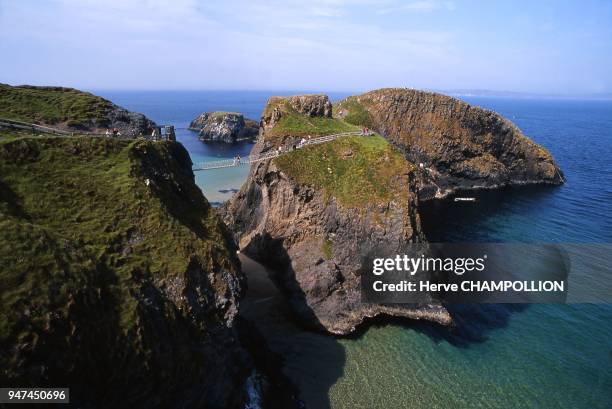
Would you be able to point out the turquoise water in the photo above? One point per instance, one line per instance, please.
(506, 356)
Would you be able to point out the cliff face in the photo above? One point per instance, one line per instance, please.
(117, 277)
(224, 127)
(315, 214)
(460, 146)
(70, 109)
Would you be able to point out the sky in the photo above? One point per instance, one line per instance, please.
(547, 46)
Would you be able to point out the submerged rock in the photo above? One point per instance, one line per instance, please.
(459, 146)
(226, 127)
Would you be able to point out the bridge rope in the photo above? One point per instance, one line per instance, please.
(230, 163)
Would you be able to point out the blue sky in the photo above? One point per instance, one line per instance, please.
(561, 47)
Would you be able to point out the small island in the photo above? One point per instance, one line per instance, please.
(228, 127)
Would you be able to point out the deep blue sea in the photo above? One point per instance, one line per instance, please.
(498, 356)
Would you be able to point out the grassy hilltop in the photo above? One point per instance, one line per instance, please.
(69, 109)
(117, 277)
(356, 170)
(52, 105)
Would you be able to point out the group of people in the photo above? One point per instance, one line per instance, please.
(237, 160)
(366, 131)
(112, 132)
(304, 141)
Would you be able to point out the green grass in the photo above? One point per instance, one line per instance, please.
(357, 114)
(294, 124)
(327, 249)
(78, 220)
(356, 170)
(221, 114)
(53, 105)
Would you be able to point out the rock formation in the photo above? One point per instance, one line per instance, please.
(459, 145)
(317, 236)
(224, 127)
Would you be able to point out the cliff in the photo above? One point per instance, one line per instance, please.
(316, 213)
(69, 109)
(459, 145)
(117, 277)
(226, 127)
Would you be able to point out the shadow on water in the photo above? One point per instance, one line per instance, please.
(450, 221)
(446, 221)
(312, 361)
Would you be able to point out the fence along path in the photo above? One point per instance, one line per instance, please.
(9, 123)
(230, 163)
(163, 131)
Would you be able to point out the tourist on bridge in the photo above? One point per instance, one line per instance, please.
(238, 159)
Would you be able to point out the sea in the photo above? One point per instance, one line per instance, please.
(496, 356)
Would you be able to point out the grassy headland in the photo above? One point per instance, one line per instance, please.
(52, 105)
(91, 229)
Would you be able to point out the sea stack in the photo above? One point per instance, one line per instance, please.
(227, 127)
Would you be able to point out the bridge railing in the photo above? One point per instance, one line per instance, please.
(226, 163)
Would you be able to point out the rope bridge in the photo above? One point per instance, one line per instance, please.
(230, 163)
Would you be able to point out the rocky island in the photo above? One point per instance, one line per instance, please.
(227, 127)
(71, 110)
(316, 213)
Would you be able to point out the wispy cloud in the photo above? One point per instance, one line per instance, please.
(418, 6)
(318, 45)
